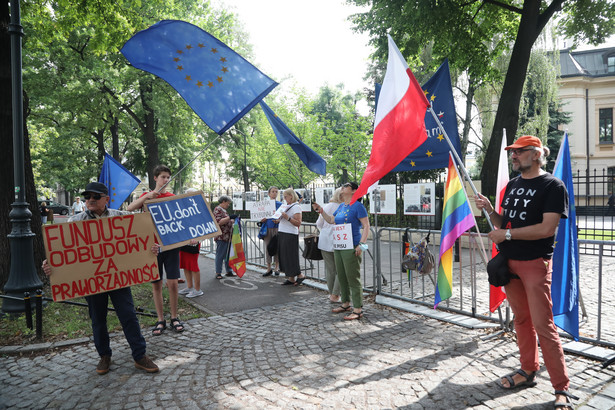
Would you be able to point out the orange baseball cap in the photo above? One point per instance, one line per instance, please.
(525, 141)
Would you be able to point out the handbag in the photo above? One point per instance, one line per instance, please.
(419, 258)
(310, 248)
(497, 269)
(263, 231)
(272, 246)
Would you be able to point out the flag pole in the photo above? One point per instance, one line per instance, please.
(189, 162)
(458, 162)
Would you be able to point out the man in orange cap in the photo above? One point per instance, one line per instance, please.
(532, 206)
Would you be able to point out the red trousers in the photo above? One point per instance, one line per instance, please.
(530, 300)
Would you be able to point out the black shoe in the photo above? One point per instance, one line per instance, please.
(268, 273)
(277, 273)
(287, 282)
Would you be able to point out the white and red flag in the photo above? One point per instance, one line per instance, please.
(399, 127)
(496, 294)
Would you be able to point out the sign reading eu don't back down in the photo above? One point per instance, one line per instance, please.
(181, 218)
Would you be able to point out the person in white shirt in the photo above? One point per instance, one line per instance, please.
(78, 206)
(288, 238)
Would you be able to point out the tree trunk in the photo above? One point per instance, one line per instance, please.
(507, 117)
(115, 143)
(151, 142)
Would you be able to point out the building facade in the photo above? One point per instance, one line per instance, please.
(587, 90)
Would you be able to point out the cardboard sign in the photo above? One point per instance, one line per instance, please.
(181, 218)
(99, 255)
(262, 209)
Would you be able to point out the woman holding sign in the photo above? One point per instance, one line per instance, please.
(288, 237)
(348, 245)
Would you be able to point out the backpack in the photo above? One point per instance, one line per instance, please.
(418, 256)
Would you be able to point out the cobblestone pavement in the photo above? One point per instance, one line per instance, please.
(298, 355)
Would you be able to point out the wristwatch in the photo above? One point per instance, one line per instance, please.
(363, 246)
(508, 235)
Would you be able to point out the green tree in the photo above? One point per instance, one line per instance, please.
(474, 35)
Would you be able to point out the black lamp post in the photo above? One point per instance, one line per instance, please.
(22, 276)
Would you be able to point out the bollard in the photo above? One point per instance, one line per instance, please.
(39, 314)
(28, 309)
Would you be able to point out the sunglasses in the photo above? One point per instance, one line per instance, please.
(519, 151)
(96, 197)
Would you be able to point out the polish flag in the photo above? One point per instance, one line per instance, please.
(496, 294)
(399, 126)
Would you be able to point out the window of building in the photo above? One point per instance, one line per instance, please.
(606, 125)
(611, 64)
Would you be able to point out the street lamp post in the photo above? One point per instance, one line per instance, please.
(22, 275)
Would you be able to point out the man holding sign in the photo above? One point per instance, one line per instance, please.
(169, 259)
(96, 198)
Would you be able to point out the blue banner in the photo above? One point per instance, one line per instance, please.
(216, 82)
(119, 181)
(178, 219)
(565, 277)
(433, 153)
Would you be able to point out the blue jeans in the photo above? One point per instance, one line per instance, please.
(222, 248)
(125, 310)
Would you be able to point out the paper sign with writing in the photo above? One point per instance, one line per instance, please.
(262, 209)
(181, 218)
(99, 255)
(342, 236)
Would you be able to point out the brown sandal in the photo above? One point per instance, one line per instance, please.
(341, 309)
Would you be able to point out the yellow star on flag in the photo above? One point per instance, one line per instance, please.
(440, 137)
(429, 153)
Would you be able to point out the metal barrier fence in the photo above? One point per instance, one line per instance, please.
(382, 274)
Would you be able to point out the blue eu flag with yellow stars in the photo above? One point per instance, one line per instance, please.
(216, 82)
(433, 153)
(119, 181)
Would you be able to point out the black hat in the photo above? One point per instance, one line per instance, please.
(97, 188)
(352, 185)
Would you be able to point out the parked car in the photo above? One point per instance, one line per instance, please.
(56, 207)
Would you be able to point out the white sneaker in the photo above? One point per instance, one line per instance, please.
(194, 293)
(185, 291)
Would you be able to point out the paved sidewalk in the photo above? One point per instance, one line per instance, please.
(297, 354)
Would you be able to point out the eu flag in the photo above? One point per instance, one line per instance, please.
(565, 276)
(120, 182)
(311, 159)
(433, 153)
(216, 82)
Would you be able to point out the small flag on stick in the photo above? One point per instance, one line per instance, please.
(119, 181)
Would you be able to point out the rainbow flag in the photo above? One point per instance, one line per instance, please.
(237, 258)
(456, 219)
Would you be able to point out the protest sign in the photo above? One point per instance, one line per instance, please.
(179, 219)
(99, 255)
(261, 209)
